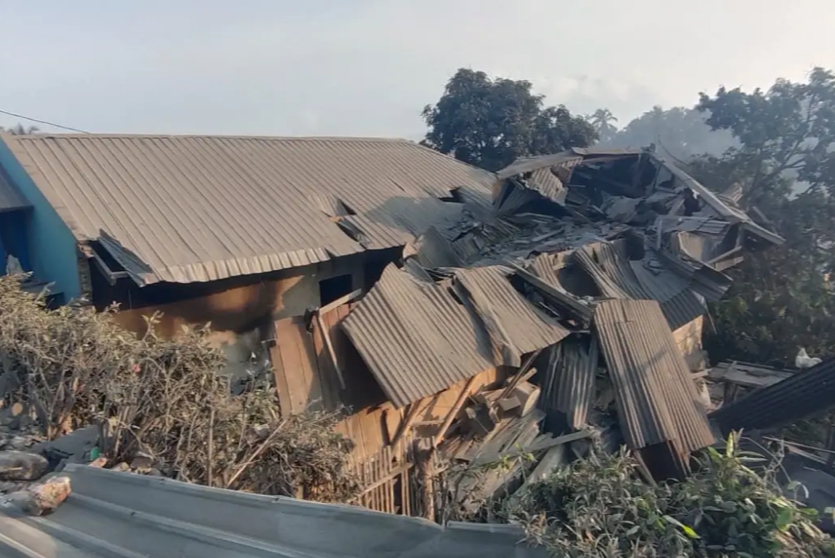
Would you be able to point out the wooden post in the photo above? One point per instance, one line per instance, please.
(407, 421)
(424, 456)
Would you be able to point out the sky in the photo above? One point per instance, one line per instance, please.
(368, 67)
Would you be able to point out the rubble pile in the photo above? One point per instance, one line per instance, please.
(586, 281)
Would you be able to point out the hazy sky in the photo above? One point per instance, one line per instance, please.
(367, 67)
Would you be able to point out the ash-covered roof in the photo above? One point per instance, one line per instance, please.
(200, 208)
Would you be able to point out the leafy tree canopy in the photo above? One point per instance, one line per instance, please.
(490, 122)
(785, 166)
(20, 130)
(679, 132)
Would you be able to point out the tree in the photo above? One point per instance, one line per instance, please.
(680, 132)
(602, 121)
(21, 130)
(785, 163)
(490, 122)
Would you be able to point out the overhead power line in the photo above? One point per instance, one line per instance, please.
(54, 125)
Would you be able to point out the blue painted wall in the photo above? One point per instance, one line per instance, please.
(52, 247)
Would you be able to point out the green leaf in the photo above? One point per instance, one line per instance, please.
(689, 531)
(784, 519)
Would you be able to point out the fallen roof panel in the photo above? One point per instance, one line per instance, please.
(657, 400)
(568, 383)
(804, 394)
(415, 337)
(528, 328)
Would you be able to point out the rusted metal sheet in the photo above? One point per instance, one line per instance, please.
(198, 208)
(801, 395)
(10, 197)
(657, 401)
(415, 337)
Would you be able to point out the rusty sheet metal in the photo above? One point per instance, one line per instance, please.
(10, 197)
(569, 381)
(804, 394)
(528, 328)
(415, 337)
(199, 208)
(657, 400)
(716, 204)
(546, 183)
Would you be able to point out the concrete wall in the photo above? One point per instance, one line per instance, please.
(52, 246)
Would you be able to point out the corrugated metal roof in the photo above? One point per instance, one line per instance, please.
(530, 164)
(128, 515)
(415, 337)
(804, 394)
(528, 328)
(197, 208)
(568, 383)
(647, 279)
(10, 197)
(657, 400)
(700, 225)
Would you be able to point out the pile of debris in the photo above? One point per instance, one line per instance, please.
(585, 283)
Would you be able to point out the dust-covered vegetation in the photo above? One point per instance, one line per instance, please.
(601, 507)
(74, 367)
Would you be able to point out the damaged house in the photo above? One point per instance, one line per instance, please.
(558, 301)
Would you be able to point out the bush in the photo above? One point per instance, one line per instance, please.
(74, 367)
(599, 507)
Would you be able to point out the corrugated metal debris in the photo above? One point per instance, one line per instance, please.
(124, 514)
(572, 284)
(801, 395)
(415, 337)
(657, 401)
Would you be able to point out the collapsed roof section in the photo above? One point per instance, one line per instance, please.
(613, 250)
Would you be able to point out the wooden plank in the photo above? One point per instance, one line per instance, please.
(407, 421)
(327, 337)
(286, 334)
(385, 477)
(341, 301)
(281, 386)
(523, 375)
(453, 412)
(331, 396)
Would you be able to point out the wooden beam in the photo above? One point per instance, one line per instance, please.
(326, 337)
(523, 375)
(340, 301)
(406, 423)
(453, 412)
